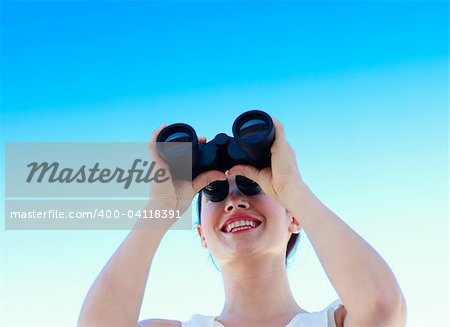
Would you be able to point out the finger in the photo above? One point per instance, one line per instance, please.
(202, 139)
(246, 171)
(207, 178)
(279, 135)
(279, 128)
(156, 132)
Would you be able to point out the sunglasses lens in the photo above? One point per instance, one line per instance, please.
(216, 191)
(247, 186)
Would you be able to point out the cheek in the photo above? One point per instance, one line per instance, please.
(270, 206)
(274, 213)
(209, 218)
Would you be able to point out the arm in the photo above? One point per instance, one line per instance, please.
(364, 282)
(115, 298)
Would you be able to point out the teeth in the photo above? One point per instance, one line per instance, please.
(240, 225)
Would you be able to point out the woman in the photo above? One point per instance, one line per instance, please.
(249, 237)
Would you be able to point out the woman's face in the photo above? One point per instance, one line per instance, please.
(243, 226)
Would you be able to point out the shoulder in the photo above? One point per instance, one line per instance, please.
(159, 323)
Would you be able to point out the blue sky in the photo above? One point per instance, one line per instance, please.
(361, 87)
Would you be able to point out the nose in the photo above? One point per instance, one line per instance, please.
(236, 200)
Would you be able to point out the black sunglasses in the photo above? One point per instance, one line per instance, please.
(218, 190)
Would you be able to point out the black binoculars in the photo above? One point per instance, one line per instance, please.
(253, 136)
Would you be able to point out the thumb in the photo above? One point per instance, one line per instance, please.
(246, 171)
(206, 178)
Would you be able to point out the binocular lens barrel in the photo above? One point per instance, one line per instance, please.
(254, 131)
(253, 127)
(170, 138)
(177, 133)
(179, 137)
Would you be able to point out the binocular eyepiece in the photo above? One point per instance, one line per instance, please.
(253, 136)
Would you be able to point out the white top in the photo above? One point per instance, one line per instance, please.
(323, 318)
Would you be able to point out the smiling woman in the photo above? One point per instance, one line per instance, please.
(250, 234)
(243, 222)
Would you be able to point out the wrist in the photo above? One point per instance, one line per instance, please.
(293, 194)
(300, 200)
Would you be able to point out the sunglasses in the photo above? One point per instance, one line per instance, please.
(218, 190)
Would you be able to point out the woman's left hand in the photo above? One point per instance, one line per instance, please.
(282, 180)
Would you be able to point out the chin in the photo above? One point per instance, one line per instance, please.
(244, 251)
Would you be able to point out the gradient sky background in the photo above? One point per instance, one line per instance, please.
(361, 87)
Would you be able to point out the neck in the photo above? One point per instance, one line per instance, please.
(257, 288)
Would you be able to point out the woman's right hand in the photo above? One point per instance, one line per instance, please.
(177, 194)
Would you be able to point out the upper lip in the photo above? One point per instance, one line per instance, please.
(238, 217)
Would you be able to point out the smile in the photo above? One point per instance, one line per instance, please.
(237, 225)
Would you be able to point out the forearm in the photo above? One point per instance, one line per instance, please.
(362, 279)
(115, 297)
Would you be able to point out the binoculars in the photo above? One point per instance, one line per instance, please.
(253, 136)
